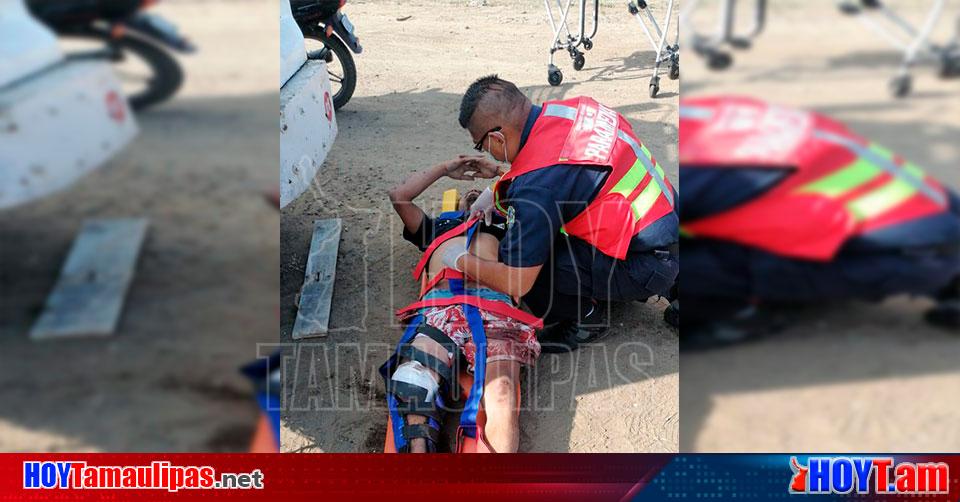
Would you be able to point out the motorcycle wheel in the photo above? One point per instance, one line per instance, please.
(342, 71)
(165, 75)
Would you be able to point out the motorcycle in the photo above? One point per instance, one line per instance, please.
(321, 21)
(136, 42)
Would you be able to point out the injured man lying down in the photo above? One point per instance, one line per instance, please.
(464, 343)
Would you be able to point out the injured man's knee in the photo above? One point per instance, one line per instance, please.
(412, 381)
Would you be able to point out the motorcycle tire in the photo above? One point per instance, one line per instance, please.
(348, 83)
(167, 76)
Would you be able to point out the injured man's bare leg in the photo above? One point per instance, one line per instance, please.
(500, 402)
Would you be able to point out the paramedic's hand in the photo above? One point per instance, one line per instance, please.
(471, 167)
(483, 206)
(452, 255)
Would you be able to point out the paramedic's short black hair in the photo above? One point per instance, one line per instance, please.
(508, 97)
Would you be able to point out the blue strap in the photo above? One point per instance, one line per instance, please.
(451, 215)
(386, 371)
(468, 418)
(472, 232)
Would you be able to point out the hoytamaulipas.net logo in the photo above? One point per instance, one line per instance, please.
(159, 475)
(877, 475)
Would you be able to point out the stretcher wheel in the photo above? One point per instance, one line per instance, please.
(900, 86)
(674, 70)
(554, 75)
(654, 86)
(578, 62)
(849, 8)
(950, 66)
(587, 44)
(719, 60)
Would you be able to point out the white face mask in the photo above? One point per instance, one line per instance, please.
(504, 142)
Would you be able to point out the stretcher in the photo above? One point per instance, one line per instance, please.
(664, 52)
(265, 375)
(913, 42)
(571, 41)
(565, 40)
(716, 47)
(469, 388)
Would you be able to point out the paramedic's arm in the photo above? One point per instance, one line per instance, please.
(514, 281)
(461, 168)
(525, 247)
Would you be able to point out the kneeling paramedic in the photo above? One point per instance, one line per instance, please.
(786, 206)
(455, 320)
(590, 214)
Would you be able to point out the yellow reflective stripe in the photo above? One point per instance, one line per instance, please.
(644, 156)
(646, 152)
(646, 200)
(909, 167)
(629, 183)
(882, 199)
(643, 148)
(882, 158)
(631, 180)
(914, 170)
(842, 181)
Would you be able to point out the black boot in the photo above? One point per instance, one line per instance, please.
(946, 313)
(748, 324)
(671, 315)
(568, 335)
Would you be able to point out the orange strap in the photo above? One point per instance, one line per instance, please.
(493, 306)
(447, 273)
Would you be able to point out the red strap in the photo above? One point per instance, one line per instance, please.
(493, 306)
(444, 237)
(447, 273)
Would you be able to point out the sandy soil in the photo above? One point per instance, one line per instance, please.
(205, 292)
(847, 377)
(618, 396)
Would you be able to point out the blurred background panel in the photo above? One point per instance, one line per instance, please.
(204, 290)
(838, 374)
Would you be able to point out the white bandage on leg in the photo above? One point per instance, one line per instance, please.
(414, 373)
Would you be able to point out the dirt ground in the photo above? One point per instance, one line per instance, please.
(205, 291)
(846, 377)
(618, 396)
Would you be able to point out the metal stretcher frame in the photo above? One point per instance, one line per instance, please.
(664, 52)
(564, 39)
(913, 42)
(715, 48)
